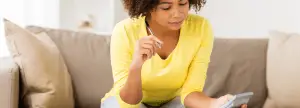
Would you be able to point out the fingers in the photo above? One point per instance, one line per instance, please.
(244, 106)
(146, 52)
(156, 39)
(224, 99)
(150, 47)
(150, 43)
(229, 96)
(157, 42)
(147, 46)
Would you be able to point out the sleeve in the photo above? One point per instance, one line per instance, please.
(121, 57)
(198, 68)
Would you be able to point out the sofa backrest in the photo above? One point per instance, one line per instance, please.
(237, 65)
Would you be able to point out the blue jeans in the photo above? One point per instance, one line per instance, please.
(112, 102)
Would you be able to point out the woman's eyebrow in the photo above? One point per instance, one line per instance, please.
(165, 3)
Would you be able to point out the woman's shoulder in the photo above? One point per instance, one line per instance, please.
(196, 24)
(197, 27)
(195, 17)
(196, 20)
(128, 29)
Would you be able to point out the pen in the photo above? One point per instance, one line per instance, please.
(157, 43)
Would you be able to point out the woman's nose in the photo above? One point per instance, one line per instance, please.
(176, 12)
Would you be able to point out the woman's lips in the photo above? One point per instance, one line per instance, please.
(175, 23)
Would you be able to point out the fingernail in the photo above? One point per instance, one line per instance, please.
(158, 45)
(160, 42)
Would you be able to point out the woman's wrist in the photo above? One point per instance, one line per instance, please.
(136, 64)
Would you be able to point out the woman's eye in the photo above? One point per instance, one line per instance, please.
(183, 3)
(165, 8)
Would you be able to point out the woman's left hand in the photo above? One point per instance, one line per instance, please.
(217, 103)
(244, 106)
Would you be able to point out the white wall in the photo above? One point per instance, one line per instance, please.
(31, 12)
(28, 12)
(252, 18)
(42, 13)
(248, 18)
(14, 12)
(119, 11)
(75, 11)
(3, 49)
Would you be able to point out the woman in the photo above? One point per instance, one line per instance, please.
(160, 57)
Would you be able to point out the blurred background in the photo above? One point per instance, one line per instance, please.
(230, 18)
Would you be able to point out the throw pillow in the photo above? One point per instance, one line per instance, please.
(45, 78)
(283, 70)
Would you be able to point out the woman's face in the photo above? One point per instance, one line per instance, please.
(170, 13)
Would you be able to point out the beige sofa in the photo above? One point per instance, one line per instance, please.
(238, 65)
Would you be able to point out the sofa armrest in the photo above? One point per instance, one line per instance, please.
(9, 83)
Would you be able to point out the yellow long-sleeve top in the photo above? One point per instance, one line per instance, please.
(183, 72)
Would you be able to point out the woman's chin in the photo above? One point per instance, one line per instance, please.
(174, 28)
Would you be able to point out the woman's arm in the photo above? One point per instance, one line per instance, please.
(192, 95)
(127, 78)
(131, 93)
(127, 63)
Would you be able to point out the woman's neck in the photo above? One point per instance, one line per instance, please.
(159, 30)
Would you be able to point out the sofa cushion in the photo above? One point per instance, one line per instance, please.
(237, 66)
(283, 70)
(46, 81)
(88, 60)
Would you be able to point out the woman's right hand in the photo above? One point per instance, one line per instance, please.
(145, 48)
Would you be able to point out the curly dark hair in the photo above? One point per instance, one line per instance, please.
(137, 8)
